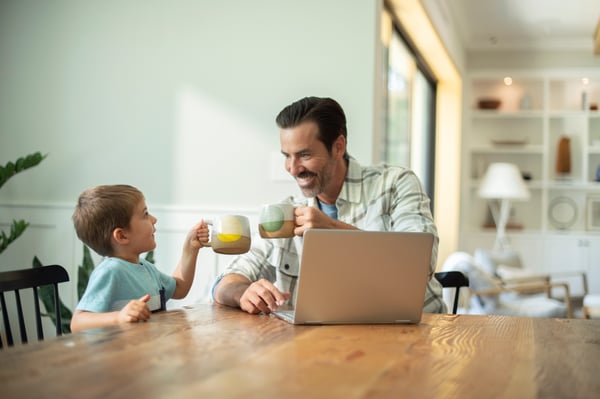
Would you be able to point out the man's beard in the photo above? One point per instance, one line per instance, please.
(321, 180)
(313, 190)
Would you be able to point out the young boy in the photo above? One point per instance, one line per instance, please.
(114, 221)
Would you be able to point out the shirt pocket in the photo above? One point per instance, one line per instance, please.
(285, 260)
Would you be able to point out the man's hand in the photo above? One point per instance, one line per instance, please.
(262, 296)
(308, 217)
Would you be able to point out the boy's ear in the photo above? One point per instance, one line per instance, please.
(120, 236)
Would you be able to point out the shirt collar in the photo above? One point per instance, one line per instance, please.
(351, 189)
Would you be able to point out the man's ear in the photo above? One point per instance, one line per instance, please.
(120, 236)
(339, 147)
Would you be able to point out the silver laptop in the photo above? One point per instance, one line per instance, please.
(361, 277)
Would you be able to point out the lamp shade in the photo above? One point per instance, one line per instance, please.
(503, 181)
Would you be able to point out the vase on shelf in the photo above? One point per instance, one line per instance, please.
(525, 103)
(563, 158)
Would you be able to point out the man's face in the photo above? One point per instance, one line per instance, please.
(307, 159)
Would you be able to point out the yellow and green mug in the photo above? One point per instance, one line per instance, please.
(230, 234)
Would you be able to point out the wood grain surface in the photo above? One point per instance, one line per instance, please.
(212, 351)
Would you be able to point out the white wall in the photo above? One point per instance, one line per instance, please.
(177, 98)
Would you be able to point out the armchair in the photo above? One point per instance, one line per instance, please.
(567, 286)
(489, 294)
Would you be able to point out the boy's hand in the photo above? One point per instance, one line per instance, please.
(134, 311)
(198, 235)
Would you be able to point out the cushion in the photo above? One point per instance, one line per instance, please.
(489, 260)
(513, 304)
(479, 279)
(592, 302)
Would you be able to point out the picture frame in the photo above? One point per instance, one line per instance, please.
(593, 213)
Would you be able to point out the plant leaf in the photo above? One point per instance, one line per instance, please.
(150, 257)
(84, 271)
(16, 229)
(23, 163)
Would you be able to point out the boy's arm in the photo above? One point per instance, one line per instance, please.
(134, 311)
(186, 268)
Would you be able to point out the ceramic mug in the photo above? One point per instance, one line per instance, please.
(277, 221)
(230, 234)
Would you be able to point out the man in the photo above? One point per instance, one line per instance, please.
(340, 194)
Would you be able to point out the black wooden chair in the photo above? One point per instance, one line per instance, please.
(17, 280)
(453, 279)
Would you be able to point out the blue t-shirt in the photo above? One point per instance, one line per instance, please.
(329, 210)
(115, 282)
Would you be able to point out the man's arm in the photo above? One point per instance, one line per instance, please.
(230, 289)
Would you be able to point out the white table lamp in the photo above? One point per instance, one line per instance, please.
(502, 183)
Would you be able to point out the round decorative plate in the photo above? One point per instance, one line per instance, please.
(562, 212)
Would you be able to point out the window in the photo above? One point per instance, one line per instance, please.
(408, 137)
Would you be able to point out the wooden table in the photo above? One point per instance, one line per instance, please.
(217, 352)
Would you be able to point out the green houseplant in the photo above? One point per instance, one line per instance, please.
(7, 171)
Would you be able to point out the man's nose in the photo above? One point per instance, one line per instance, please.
(294, 167)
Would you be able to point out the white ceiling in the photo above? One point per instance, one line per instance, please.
(524, 24)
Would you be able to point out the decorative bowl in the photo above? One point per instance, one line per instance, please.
(489, 103)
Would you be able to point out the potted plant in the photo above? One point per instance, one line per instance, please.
(17, 227)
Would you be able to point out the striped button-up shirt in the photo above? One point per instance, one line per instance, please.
(376, 198)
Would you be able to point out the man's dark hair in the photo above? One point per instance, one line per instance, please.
(325, 112)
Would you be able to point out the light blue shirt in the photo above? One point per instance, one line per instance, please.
(115, 282)
(329, 210)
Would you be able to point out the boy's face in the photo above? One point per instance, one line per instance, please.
(141, 229)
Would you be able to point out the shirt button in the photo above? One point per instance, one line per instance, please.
(286, 266)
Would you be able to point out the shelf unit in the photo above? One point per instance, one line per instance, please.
(537, 109)
(535, 113)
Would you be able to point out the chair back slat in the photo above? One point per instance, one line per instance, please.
(6, 320)
(22, 329)
(33, 278)
(38, 314)
(453, 279)
(57, 310)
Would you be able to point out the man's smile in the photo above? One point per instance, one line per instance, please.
(305, 178)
